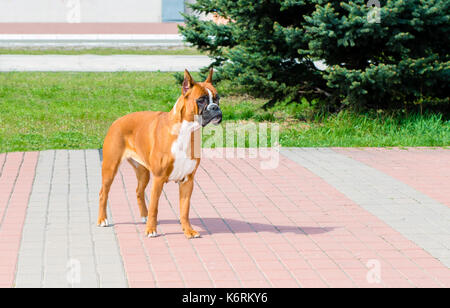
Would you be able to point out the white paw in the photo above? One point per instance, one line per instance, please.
(153, 234)
(197, 236)
(144, 220)
(104, 223)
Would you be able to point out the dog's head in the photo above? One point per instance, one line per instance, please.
(201, 99)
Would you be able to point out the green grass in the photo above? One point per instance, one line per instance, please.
(347, 129)
(41, 111)
(100, 51)
(73, 110)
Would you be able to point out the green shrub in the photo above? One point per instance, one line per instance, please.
(269, 47)
(403, 58)
(253, 50)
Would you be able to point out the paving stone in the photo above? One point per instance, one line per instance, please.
(59, 223)
(400, 209)
(319, 218)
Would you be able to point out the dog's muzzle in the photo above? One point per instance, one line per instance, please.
(212, 114)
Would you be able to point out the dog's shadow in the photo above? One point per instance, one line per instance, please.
(216, 225)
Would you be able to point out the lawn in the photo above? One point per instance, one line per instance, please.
(41, 111)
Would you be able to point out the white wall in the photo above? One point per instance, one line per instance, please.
(80, 11)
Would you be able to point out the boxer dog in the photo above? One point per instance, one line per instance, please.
(163, 144)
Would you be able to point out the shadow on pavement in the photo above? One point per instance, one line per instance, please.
(216, 225)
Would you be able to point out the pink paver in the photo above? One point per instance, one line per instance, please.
(359, 235)
(2, 161)
(15, 186)
(427, 170)
(284, 227)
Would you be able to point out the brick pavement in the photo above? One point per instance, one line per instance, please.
(426, 170)
(322, 218)
(415, 215)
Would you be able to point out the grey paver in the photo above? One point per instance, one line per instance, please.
(59, 238)
(405, 209)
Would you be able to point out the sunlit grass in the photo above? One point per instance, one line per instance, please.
(41, 111)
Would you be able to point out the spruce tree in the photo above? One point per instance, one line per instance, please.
(380, 58)
(262, 47)
(403, 57)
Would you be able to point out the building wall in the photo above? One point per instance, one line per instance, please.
(84, 11)
(189, 11)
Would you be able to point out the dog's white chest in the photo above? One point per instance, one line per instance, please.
(181, 150)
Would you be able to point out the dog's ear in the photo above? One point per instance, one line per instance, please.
(188, 82)
(210, 76)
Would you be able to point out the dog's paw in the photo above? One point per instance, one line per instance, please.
(151, 232)
(144, 220)
(103, 223)
(191, 234)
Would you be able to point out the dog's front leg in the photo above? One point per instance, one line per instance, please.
(157, 187)
(185, 202)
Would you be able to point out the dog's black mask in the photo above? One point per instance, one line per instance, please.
(209, 110)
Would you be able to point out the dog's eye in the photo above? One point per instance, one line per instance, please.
(203, 100)
(217, 99)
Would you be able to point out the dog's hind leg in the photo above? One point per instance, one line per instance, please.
(112, 156)
(143, 177)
